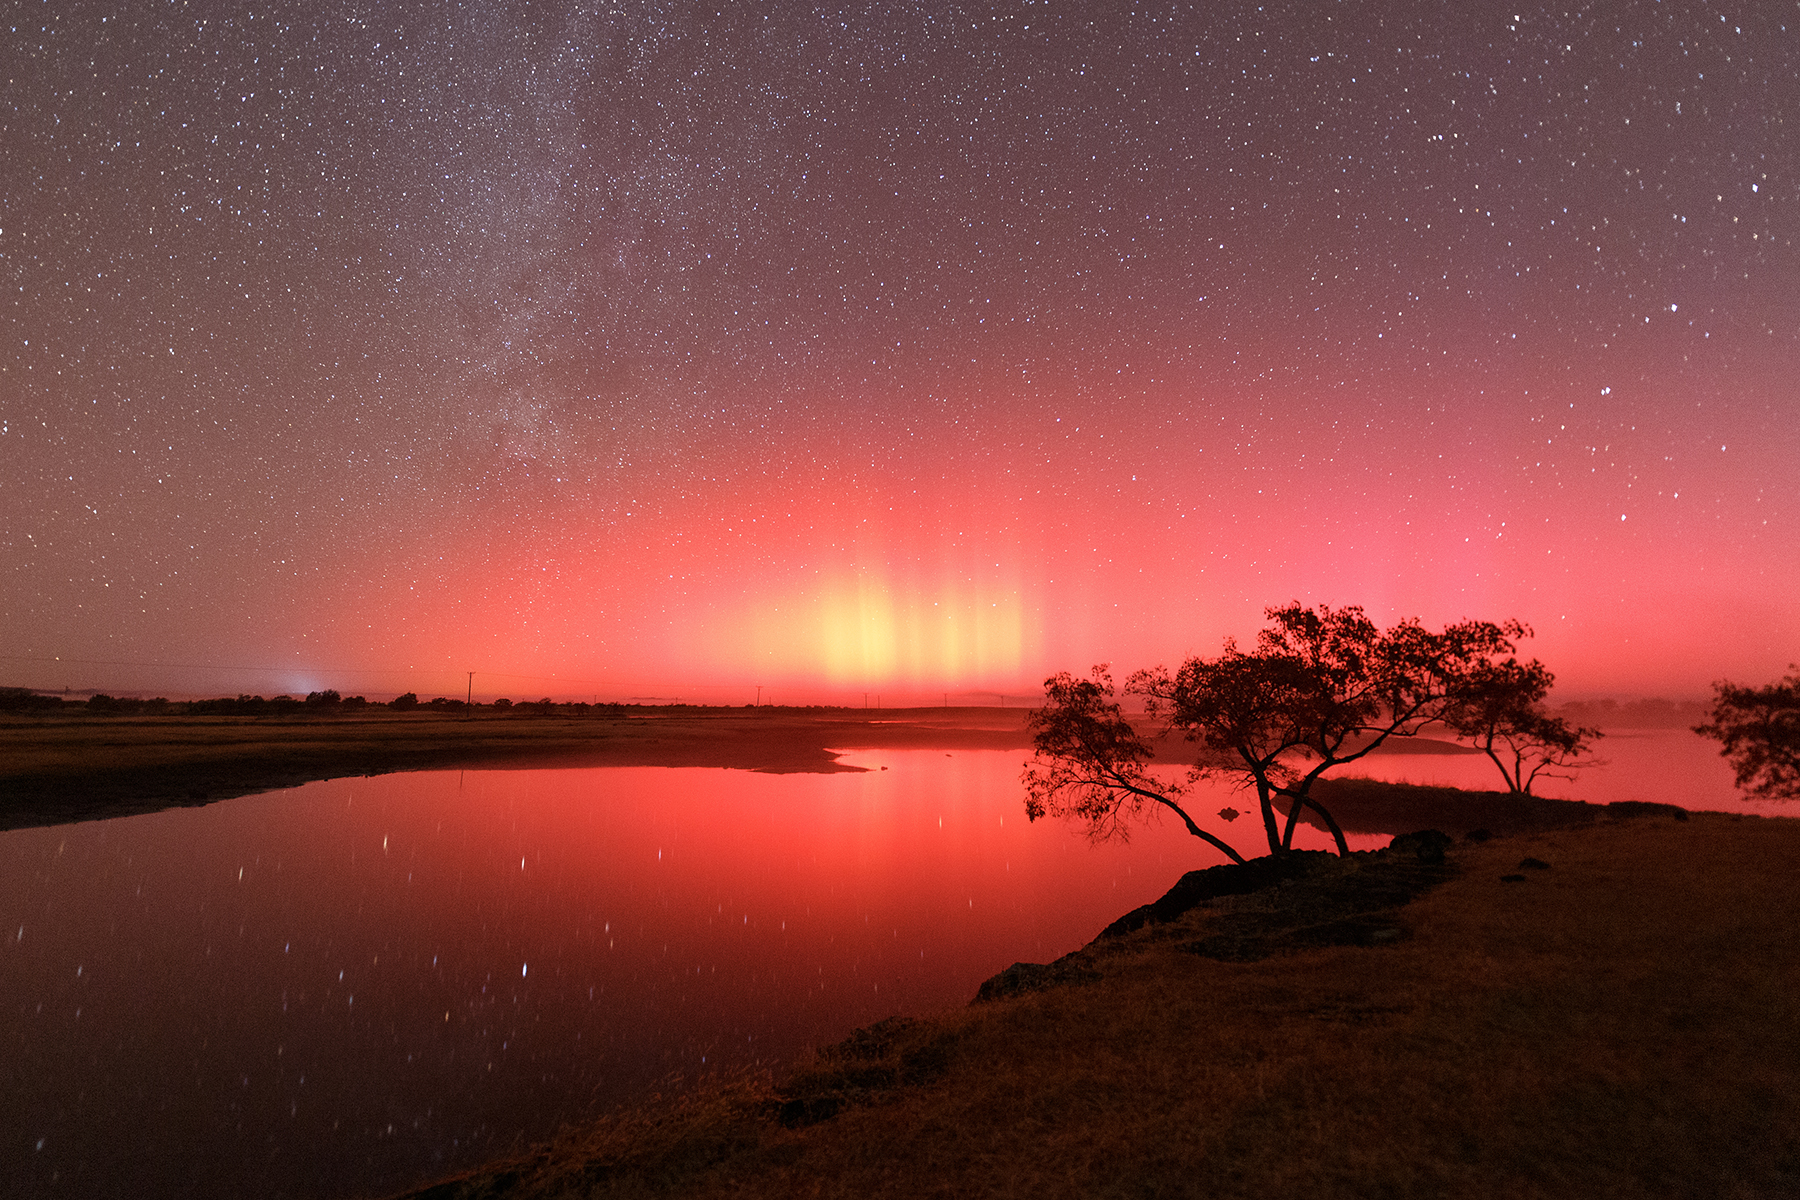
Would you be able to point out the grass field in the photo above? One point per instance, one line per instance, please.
(1620, 1017)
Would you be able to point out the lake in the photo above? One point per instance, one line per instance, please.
(359, 985)
(1665, 766)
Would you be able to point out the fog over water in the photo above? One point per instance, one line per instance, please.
(362, 984)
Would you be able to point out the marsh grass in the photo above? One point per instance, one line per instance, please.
(1623, 1022)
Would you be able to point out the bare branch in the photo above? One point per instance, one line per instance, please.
(1091, 764)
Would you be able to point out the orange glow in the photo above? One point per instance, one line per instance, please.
(858, 629)
(987, 570)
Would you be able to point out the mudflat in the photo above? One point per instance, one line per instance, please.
(56, 769)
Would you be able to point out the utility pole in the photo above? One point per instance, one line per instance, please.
(759, 688)
(469, 701)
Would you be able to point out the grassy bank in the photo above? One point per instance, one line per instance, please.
(1609, 1009)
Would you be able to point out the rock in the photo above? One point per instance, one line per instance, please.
(1230, 879)
(1252, 944)
(1427, 845)
(1626, 809)
(1019, 978)
(1023, 977)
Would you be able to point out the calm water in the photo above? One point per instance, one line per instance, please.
(1668, 766)
(359, 985)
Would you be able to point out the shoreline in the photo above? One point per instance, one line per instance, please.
(56, 770)
(1586, 1004)
(84, 767)
(941, 1102)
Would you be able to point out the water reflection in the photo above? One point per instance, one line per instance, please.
(359, 984)
(362, 984)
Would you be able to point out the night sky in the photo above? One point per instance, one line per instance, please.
(651, 349)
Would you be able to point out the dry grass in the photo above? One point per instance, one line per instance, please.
(1624, 1023)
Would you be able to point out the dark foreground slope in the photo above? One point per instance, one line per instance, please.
(1603, 1010)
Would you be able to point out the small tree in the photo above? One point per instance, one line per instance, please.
(1759, 731)
(1320, 690)
(1500, 708)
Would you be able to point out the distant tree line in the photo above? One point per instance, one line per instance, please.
(24, 700)
(1634, 714)
(321, 703)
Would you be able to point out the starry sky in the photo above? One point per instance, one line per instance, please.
(654, 348)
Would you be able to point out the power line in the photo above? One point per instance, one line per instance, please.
(116, 662)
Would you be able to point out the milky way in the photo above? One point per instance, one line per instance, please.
(655, 347)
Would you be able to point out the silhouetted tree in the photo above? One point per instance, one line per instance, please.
(325, 699)
(405, 702)
(1090, 763)
(1321, 689)
(18, 699)
(226, 706)
(1500, 708)
(1759, 731)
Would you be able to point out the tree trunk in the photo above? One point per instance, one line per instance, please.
(1293, 819)
(1199, 832)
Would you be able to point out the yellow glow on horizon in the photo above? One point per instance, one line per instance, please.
(860, 630)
